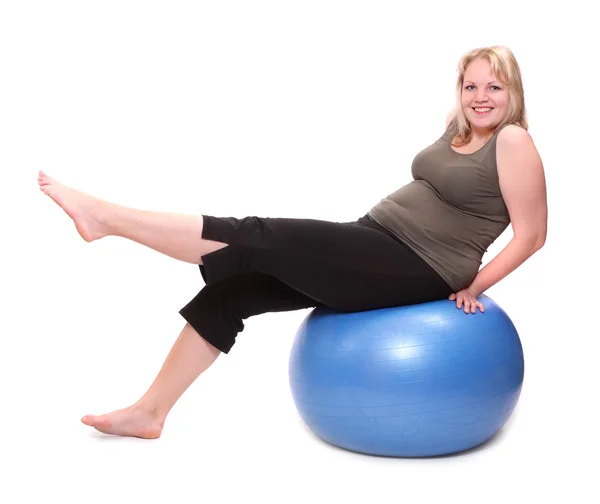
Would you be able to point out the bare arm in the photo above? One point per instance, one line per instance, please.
(523, 186)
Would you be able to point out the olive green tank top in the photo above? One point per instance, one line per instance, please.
(452, 211)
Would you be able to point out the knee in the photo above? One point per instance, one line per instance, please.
(219, 301)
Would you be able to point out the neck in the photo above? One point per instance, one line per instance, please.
(482, 133)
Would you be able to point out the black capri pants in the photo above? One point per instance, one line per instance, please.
(283, 264)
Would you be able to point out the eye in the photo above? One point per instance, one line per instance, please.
(472, 85)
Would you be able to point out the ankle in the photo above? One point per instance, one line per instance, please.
(109, 215)
(152, 408)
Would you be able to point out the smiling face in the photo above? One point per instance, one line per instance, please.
(483, 89)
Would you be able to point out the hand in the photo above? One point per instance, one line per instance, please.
(468, 298)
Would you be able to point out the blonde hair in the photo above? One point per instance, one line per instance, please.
(506, 68)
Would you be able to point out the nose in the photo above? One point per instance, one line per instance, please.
(480, 97)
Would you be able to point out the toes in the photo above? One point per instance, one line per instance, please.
(102, 423)
(88, 420)
(45, 179)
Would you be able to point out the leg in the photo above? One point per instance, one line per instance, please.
(190, 356)
(175, 235)
(346, 266)
(217, 312)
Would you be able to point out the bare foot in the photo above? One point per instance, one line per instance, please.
(134, 421)
(88, 213)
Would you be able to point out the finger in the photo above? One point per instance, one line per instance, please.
(481, 307)
(452, 297)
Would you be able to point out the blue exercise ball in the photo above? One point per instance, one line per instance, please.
(409, 381)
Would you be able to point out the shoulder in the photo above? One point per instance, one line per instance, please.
(513, 136)
(451, 115)
(515, 150)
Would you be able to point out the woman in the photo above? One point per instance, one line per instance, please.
(422, 243)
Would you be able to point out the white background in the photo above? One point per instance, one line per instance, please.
(309, 109)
